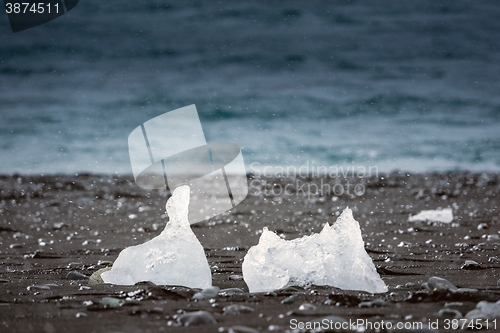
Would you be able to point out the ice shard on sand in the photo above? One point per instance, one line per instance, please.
(439, 215)
(336, 257)
(175, 257)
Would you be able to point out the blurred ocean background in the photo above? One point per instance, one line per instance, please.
(411, 86)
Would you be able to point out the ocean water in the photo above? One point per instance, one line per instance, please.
(395, 85)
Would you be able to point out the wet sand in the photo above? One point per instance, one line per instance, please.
(52, 225)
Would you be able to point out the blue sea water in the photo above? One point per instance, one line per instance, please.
(412, 86)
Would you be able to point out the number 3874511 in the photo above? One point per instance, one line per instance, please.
(31, 8)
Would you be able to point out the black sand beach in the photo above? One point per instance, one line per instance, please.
(53, 225)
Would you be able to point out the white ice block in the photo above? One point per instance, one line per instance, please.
(442, 216)
(175, 257)
(335, 257)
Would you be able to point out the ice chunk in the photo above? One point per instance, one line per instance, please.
(442, 215)
(175, 257)
(335, 257)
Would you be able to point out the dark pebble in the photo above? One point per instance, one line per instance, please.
(235, 309)
(196, 318)
(450, 313)
(42, 255)
(171, 293)
(75, 275)
(231, 291)
(209, 292)
(4, 281)
(372, 304)
(39, 287)
(344, 300)
(466, 291)
(145, 284)
(111, 302)
(440, 284)
(242, 329)
(16, 246)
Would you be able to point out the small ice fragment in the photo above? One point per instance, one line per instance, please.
(336, 257)
(175, 257)
(443, 216)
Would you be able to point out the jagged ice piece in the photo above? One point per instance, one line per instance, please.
(335, 257)
(175, 257)
(443, 216)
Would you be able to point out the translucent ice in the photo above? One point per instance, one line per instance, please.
(336, 257)
(443, 216)
(175, 257)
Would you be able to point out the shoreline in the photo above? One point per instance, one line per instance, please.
(52, 225)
